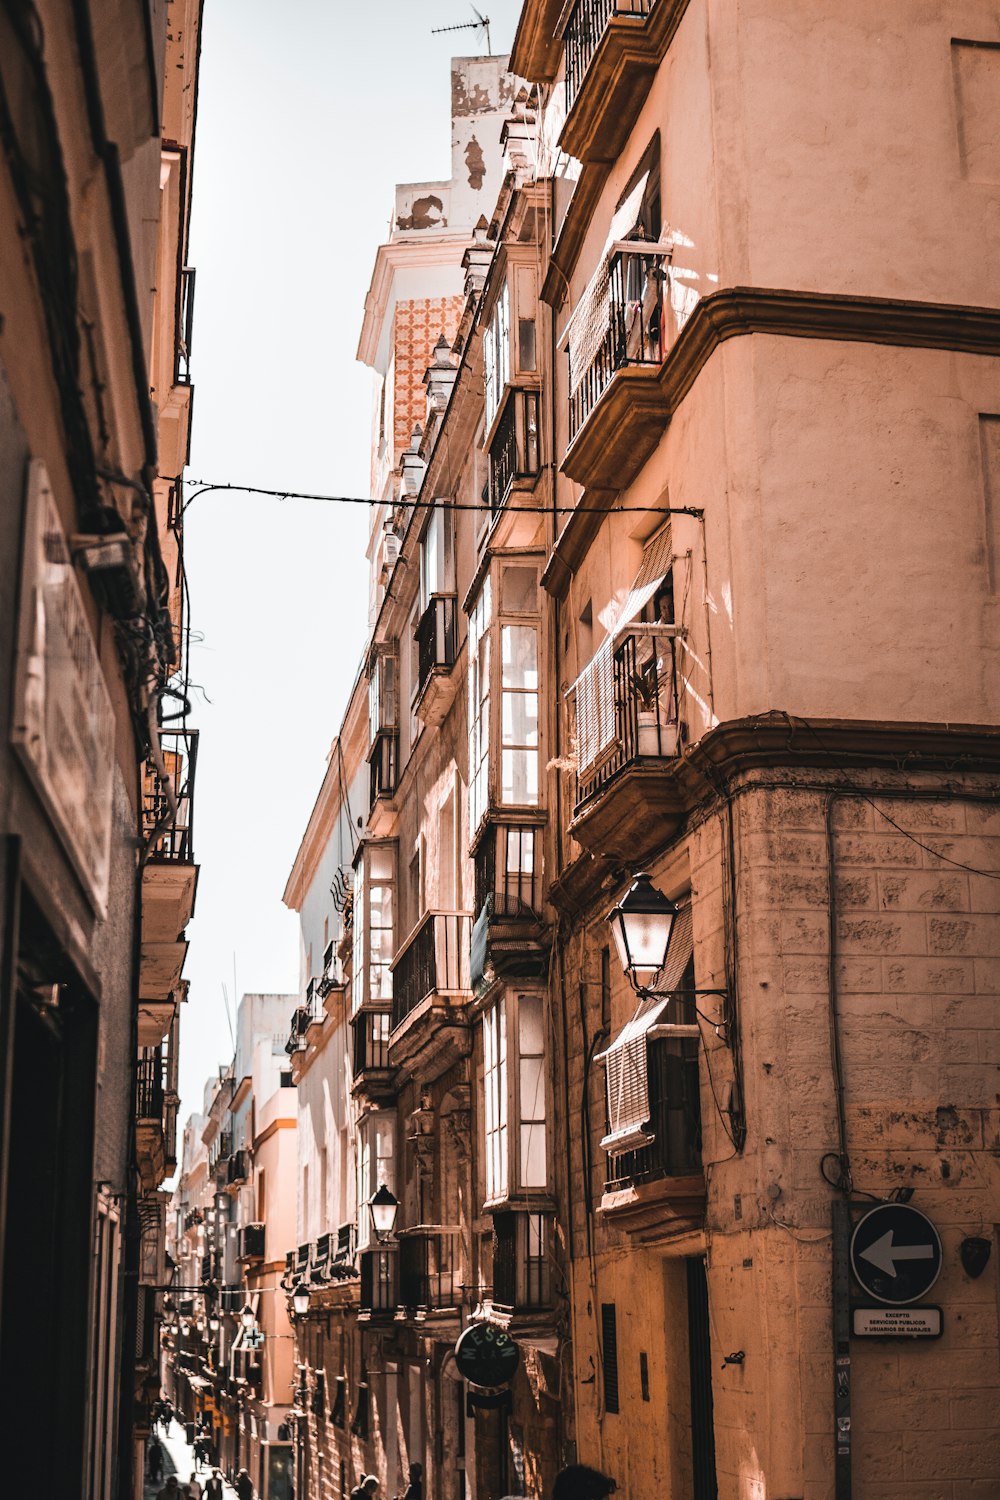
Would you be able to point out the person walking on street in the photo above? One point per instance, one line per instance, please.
(194, 1490)
(244, 1486)
(154, 1459)
(171, 1490)
(213, 1486)
(415, 1489)
(168, 1417)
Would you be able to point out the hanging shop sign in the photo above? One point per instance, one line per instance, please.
(63, 723)
(895, 1253)
(486, 1355)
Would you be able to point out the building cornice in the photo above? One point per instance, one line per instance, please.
(283, 1123)
(631, 416)
(427, 248)
(804, 754)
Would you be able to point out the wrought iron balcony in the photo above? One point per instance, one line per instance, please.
(378, 1283)
(149, 1090)
(433, 961)
(383, 763)
(297, 1031)
(436, 638)
(371, 1041)
(626, 709)
(171, 831)
(659, 1188)
(428, 1277)
(514, 451)
(508, 868)
(520, 1261)
(616, 325)
(586, 27)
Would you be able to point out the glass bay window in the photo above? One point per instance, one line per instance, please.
(514, 1103)
(374, 925)
(516, 751)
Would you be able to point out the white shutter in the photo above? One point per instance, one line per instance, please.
(627, 1059)
(656, 559)
(596, 719)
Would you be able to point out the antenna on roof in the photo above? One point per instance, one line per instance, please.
(481, 23)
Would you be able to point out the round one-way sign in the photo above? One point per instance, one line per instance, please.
(896, 1253)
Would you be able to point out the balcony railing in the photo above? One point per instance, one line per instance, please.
(436, 637)
(674, 1118)
(378, 1282)
(508, 869)
(514, 449)
(584, 31)
(435, 959)
(383, 763)
(371, 1041)
(520, 1260)
(297, 1030)
(149, 1091)
(427, 1269)
(642, 718)
(622, 324)
(172, 832)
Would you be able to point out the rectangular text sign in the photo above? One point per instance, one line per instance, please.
(896, 1322)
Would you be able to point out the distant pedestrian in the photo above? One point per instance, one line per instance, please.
(168, 1417)
(213, 1486)
(154, 1459)
(171, 1490)
(370, 1485)
(244, 1486)
(194, 1488)
(415, 1489)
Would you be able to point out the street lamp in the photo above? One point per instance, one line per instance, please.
(642, 924)
(300, 1299)
(213, 1324)
(247, 1317)
(383, 1206)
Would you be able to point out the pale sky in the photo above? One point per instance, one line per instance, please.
(307, 117)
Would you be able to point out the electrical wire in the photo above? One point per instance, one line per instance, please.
(204, 487)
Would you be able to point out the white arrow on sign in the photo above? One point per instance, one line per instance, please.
(885, 1255)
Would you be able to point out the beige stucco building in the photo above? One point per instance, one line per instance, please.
(687, 569)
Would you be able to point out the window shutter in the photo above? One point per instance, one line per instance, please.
(627, 1059)
(609, 1355)
(596, 720)
(656, 559)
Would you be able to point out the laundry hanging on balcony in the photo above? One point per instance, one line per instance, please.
(597, 729)
(626, 1061)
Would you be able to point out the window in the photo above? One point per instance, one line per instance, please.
(436, 557)
(520, 1260)
(514, 1097)
(376, 1165)
(382, 694)
(373, 936)
(479, 707)
(495, 1100)
(519, 716)
(496, 354)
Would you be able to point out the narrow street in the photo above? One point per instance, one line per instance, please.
(500, 795)
(178, 1458)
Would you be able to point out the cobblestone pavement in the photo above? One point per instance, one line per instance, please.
(178, 1458)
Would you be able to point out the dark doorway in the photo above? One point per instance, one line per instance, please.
(706, 1485)
(44, 1342)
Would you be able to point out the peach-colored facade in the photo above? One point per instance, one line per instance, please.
(690, 569)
